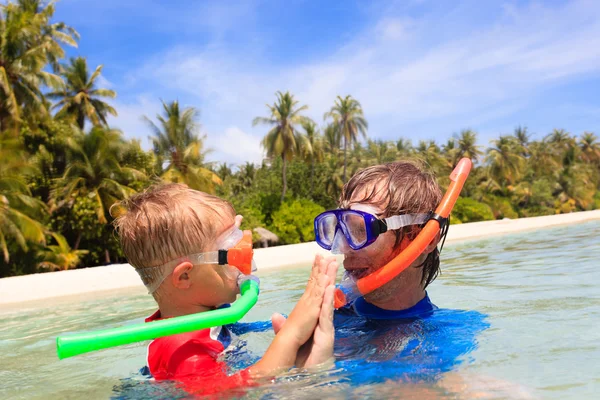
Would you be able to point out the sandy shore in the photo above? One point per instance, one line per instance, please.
(119, 276)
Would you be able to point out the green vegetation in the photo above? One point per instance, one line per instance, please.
(62, 167)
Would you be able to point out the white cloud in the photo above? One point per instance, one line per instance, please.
(104, 83)
(130, 116)
(404, 72)
(235, 146)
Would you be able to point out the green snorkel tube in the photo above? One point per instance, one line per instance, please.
(72, 345)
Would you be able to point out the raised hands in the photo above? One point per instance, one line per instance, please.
(306, 337)
(319, 347)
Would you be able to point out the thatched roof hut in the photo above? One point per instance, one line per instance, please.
(267, 238)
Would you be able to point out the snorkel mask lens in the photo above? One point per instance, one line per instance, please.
(325, 229)
(336, 230)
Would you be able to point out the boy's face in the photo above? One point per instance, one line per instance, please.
(213, 285)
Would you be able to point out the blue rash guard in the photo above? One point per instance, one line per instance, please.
(360, 308)
(373, 345)
(417, 344)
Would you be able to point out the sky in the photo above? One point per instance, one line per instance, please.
(421, 69)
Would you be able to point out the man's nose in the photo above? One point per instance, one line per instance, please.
(339, 246)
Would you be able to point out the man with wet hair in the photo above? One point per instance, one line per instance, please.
(401, 188)
(395, 331)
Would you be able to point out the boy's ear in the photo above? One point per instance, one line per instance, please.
(181, 275)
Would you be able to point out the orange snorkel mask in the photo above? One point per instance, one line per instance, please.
(240, 255)
(348, 290)
(235, 250)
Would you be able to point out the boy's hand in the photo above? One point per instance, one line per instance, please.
(319, 348)
(300, 326)
(304, 317)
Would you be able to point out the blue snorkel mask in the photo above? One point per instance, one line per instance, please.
(343, 229)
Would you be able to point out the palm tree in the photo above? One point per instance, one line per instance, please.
(95, 171)
(347, 115)
(60, 257)
(27, 43)
(590, 148)
(505, 160)
(404, 147)
(451, 151)
(20, 213)
(224, 171)
(380, 152)
(247, 173)
(560, 140)
(177, 143)
(332, 139)
(79, 96)
(333, 181)
(429, 152)
(543, 160)
(314, 152)
(40, 13)
(467, 147)
(523, 138)
(357, 158)
(284, 140)
(574, 182)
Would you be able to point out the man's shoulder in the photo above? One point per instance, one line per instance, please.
(361, 308)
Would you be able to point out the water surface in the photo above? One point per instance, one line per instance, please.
(519, 317)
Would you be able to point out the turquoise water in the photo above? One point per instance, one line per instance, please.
(519, 319)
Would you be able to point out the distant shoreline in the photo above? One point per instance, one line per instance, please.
(37, 287)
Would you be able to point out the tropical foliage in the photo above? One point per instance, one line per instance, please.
(177, 142)
(63, 166)
(79, 98)
(283, 139)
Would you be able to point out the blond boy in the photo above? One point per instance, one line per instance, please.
(159, 232)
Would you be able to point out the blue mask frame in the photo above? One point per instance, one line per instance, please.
(373, 226)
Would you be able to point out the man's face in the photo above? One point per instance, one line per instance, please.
(360, 263)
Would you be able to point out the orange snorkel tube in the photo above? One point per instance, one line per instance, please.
(347, 292)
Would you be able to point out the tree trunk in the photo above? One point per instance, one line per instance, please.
(81, 121)
(106, 256)
(77, 241)
(283, 178)
(312, 176)
(483, 192)
(345, 156)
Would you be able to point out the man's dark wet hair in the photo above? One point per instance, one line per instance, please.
(402, 187)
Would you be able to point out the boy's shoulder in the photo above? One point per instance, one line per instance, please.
(186, 353)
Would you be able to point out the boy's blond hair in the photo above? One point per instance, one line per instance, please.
(169, 221)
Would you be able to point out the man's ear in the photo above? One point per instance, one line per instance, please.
(433, 244)
(405, 242)
(181, 275)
